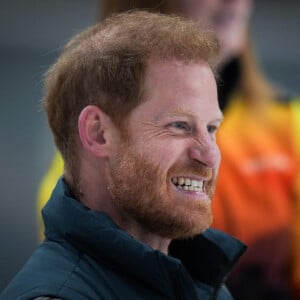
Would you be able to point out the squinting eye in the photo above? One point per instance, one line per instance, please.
(180, 126)
(212, 128)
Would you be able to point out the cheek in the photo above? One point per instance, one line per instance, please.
(166, 153)
(160, 149)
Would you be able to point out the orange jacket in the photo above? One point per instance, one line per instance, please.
(258, 190)
(257, 172)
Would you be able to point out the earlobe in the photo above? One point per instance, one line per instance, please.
(92, 129)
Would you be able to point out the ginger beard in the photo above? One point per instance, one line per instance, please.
(146, 193)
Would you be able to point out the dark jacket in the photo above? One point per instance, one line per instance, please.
(86, 256)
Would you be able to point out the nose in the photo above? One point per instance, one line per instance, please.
(206, 152)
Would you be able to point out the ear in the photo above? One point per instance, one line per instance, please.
(93, 127)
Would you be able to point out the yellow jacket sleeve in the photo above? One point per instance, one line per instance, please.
(47, 185)
(295, 106)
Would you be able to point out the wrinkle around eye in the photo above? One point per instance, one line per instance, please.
(152, 130)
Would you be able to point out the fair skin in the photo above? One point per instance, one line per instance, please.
(227, 18)
(172, 142)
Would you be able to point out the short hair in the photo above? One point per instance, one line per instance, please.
(105, 66)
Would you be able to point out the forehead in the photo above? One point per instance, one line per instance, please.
(176, 87)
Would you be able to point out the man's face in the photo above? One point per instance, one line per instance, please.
(163, 173)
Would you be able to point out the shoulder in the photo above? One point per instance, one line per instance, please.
(58, 271)
(45, 273)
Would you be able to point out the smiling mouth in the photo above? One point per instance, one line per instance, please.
(188, 184)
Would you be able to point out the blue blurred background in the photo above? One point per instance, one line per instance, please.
(32, 32)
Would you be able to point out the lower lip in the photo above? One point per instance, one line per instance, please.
(199, 195)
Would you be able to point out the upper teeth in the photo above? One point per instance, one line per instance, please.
(188, 184)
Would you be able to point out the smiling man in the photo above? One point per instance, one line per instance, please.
(132, 104)
(169, 154)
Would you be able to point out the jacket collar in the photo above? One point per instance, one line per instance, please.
(208, 257)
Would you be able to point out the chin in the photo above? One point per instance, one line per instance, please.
(187, 225)
(198, 228)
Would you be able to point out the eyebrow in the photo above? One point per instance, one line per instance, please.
(186, 113)
(180, 112)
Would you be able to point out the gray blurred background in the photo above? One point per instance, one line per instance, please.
(32, 33)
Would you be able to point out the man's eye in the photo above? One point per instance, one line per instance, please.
(180, 125)
(212, 128)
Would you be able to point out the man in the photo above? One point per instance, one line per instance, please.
(132, 104)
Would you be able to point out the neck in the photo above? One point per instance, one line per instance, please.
(137, 231)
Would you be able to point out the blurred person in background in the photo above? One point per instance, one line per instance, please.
(257, 195)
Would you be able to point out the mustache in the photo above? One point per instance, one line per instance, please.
(193, 169)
